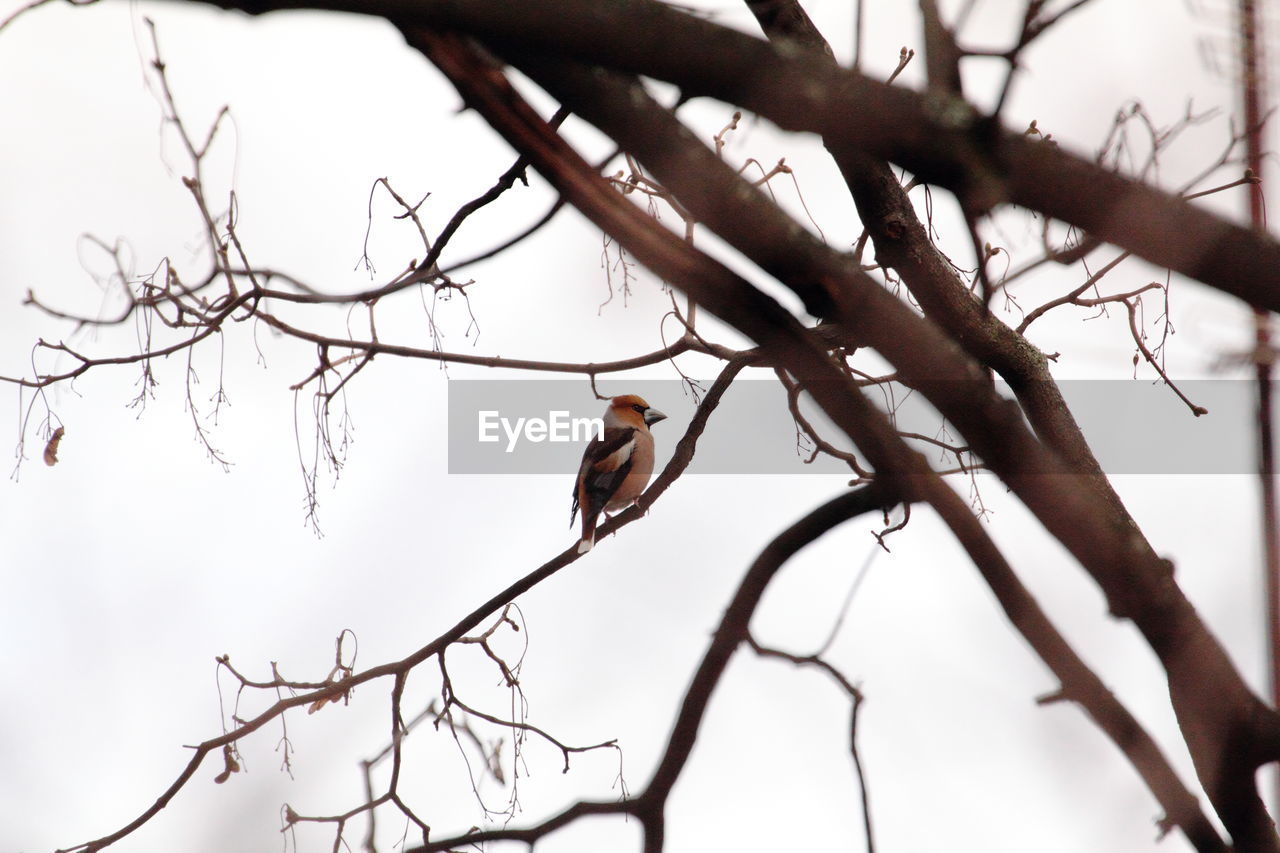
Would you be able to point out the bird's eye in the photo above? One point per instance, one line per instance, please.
(639, 408)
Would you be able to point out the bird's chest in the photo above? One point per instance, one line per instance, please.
(641, 458)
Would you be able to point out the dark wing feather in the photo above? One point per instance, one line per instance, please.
(603, 484)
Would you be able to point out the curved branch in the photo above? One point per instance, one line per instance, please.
(734, 625)
(589, 368)
(649, 806)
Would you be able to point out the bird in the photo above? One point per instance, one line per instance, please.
(616, 465)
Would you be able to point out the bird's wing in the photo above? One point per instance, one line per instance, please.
(605, 464)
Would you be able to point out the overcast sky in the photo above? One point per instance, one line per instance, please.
(138, 559)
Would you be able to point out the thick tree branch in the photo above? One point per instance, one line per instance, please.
(1227, 728)
(801, 90)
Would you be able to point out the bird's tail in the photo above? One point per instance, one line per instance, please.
(588, 532)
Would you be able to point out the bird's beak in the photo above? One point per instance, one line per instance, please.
(652, 416)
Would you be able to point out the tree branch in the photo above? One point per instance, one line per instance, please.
(333, 690)
(804, 91)
(1228, 737)
(649, 806)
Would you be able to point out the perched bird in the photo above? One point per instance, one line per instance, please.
(616, 466)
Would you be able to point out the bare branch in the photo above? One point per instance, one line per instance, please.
(1025, 461)
(316, 694)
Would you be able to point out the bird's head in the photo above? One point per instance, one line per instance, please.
(630, 410)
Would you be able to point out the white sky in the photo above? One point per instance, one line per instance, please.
(136, 560)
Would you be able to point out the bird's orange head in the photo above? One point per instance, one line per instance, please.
(631, 410)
